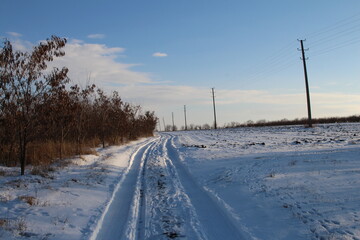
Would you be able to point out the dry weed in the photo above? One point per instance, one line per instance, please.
(3, 222)
(20, 225)
(42, 171)
(32, 201)
(15, 225)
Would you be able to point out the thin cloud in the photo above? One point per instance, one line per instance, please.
(96, 60)
(21, 45)
(14, 34)
(96, 36)
(160, 54)
(251, 104)
(100, 62)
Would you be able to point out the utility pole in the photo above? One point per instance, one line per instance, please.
(172, 114)
(164, 125)
(213, 96)
(306, 82)
(158, 120)
(185, 117)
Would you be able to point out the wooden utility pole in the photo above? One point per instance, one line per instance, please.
(172, 114)
(164, 125)
(158, 120)
(213, 96)
(306, 83)
(185, 117)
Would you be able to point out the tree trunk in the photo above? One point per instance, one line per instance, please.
(23, 145)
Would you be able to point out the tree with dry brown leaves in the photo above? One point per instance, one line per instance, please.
(26, 85)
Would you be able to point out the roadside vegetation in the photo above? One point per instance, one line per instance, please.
(43, 118)
(265, 123)
(286, 122)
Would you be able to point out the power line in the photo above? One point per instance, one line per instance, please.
(335, 47)
(330, 38)
(335, 26)
(280, 54)
(337, 35)
(273, 69)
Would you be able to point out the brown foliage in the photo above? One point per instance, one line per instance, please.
(43, 119)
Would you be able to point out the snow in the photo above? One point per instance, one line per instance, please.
(68, 202)
(245, 183)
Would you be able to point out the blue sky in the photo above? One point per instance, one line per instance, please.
(164, 54)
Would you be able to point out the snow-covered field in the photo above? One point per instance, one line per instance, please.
(245, 183)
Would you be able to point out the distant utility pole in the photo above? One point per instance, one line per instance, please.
(306, 82)
(172, 114)
(185, 117)
(159, 125)
(213, 96)
(164, 125)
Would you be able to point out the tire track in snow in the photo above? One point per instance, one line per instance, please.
(157, 198)
(118, 216)
(169, 213)
(216, 222)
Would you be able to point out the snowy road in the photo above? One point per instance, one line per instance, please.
(266, 183)
(158, 198)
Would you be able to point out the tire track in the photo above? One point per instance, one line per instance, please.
(118, 217)
(216, 222)
(157, 198)
(168, 212)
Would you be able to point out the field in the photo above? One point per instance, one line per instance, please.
(243, 183)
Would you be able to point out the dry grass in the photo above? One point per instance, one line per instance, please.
(32, 201)
(46, 153)
(8, 156)
(3, 222)
(20, 225)
(17, 225)
(42, 171)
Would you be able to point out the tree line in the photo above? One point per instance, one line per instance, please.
(297, 121)
(43, 118)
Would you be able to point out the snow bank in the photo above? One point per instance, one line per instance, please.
(65, 202)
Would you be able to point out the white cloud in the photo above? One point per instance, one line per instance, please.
(96, 36)
(95, 60)
(14, 34)
(161, 94)
(21, 45)
(160, 54)
(99, 62)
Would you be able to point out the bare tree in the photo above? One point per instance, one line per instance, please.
(102, 108)
(26, 85)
